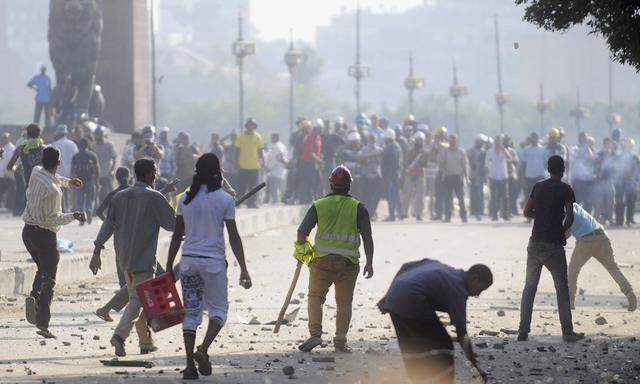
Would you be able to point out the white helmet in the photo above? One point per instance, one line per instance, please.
(318, 123)
(353, 137)
(419, 136)
(482, 137)
(389, 134)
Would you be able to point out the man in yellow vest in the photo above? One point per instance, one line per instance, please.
(341, 220)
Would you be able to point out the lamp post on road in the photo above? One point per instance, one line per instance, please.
(358, 71)
(579, 113)
(412, 83)
(501, 97)
(457, 91)
(241, 49)
(542, 106)
(292, 58)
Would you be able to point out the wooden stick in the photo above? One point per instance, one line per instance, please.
(252, 192)
(276, 329)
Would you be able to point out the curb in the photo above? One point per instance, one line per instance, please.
(75, 267)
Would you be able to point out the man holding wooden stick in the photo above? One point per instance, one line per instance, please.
(341, 221)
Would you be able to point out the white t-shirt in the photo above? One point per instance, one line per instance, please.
(276, 168)
(204, 218)
(497, 164)
(67, 149)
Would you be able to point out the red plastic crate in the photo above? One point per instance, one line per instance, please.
(161, 303)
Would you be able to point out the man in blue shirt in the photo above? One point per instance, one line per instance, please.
(417, 292)
(42, 85)
(592, 241)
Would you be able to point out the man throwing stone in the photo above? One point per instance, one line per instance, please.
(549, 201)
(417, 291)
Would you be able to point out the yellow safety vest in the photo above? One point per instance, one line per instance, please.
(337, 231)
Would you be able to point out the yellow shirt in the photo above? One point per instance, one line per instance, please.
(248, 146)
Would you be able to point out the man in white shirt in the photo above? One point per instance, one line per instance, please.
(67, 149)
(534, 163)
(276, 169)
(496, 161)
(7, 183)
(43, 218)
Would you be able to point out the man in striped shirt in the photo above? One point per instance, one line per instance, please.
(43, 218)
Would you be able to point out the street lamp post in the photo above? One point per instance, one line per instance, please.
(579, 113)
(412, 83)
(613, 118)
(542, 106)
(358, 71)
(501, 97)
(241, 49)
(292, 58)
(457, 91)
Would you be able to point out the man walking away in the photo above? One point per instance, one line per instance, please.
(41, 83)
(453, 165)
(592, 241)
(417, 291)
(106, 152)
(134, 219)
(549, 201)
(85, 167)
(202, 213)
(43, 218)
(250, 160)
(341, 221)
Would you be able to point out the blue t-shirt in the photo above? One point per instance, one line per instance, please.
(42, 83)
(583, 222)
(426, 288)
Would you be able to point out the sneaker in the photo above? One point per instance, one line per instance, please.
(44, 332)
(190, 373)
(202, 359)
(103, 313)
(309, 344)
(30, 309)
(118, 344)
(573, 337)
(523, 336)
(633, 301)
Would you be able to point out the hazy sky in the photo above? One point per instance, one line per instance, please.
(273, 18)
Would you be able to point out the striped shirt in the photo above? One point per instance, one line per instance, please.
(44, 201)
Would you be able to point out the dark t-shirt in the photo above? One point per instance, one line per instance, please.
(84, 164)
(550, 197)
(330, 144)
(427, 287)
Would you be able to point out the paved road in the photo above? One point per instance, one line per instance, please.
(253, 354)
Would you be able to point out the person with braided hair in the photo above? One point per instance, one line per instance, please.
(201, 215)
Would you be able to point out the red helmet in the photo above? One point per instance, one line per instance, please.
(340, 176)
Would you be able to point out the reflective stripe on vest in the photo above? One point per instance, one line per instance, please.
(337, 231)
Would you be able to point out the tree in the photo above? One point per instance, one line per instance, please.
(618, 21)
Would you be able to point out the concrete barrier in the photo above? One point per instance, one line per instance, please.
(17, 279)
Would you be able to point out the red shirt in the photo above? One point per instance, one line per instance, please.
(312, 144)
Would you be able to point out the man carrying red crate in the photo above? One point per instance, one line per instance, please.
(134, 219)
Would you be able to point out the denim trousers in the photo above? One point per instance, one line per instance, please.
(552, 257)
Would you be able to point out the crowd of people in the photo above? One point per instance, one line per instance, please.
(419, 171)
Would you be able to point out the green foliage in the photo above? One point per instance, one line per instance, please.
(618, 21)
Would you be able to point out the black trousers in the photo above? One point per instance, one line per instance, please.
(247, 179)
(309, 181)
(453, 184)
(427, 349)
(42, 246)
(499, 200)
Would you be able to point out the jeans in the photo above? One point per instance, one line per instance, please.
(373, 186)
(275, 188)
(625, 203)
(132, 314)
(476, 198)
(603, 197)
(308, 181)
(85, 196)
(342, 274)
(514, 187)
(599, 247)
(440, 196)
(42, 246)
(453, 184)
(40, 107)
(551, 256)
(247, 179)
(499, 200)
(393, 196)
